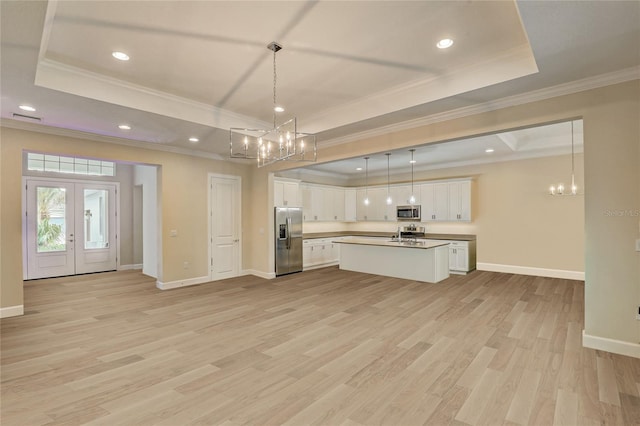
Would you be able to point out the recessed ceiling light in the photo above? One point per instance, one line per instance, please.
(124, 127)
(278, 109)
(27, 108)
(412, 161)
(194, 140)
(121, 56)
(489, 150)
(358, 168)
(445, 43)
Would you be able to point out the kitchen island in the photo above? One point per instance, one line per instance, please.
(422, 260)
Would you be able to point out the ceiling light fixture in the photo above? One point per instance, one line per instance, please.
(358, 168)
(121, 56)
(366, 181)
(559, 188)
(282, 142)
(124, 127)
(27, 108)
(389, 199)
(445, 43)
(194, 140)
(412, 199)
(489, 150)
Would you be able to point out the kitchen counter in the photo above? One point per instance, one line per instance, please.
(451, 237)
(418, 244)
(426, 261)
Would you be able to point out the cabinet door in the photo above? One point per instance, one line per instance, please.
(317, 198)
(335, 252)
(338, 204)
(427, 196)
(453, 260)
(377, 205)
(462, 259)
(306, 255)
(326, 207)
(307, 203)
(441, 201)
(278, 193)
(460, 201)
(350, 214)
(362, 210)
(291, 195)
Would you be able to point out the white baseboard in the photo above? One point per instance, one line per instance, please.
(611, 345)
(528, 270)
(130, 267)
(321, 265)
(12, 311)
(261, 274)
(182, 283)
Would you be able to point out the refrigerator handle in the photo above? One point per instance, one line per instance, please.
(288, 233)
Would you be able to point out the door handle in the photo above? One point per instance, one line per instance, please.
(235, 241)
(288, 233)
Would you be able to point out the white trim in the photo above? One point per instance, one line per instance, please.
(12, 311)
(611, 345)
(530, 270)
(130, 267)
(182, 283)
(588, 83)
(259, 274)
(320, 265)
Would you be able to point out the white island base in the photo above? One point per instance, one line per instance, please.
(428, 262)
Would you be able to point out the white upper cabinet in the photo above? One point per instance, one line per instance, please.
(350, 214)
(460, 201)
(443, 201)
(434, 198)
(323, 203)
(286, 192)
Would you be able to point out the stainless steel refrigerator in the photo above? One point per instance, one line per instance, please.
(288, 233)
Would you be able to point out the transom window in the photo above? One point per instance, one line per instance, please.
(71, 165)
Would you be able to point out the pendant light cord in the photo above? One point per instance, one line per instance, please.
(274, 88)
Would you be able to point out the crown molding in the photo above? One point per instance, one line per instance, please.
(80, 82)
(60, 131)
(616, 77)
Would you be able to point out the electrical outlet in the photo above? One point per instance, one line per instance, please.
(638, 244)
(638, 314)
(185, 265)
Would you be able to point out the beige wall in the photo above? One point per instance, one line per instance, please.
(184, 203)
(612, 181)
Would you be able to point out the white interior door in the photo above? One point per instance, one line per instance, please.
(70, 228)
(225, 227)
(50, 229)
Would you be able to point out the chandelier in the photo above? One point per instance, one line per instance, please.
(281, 142)
(559, 189)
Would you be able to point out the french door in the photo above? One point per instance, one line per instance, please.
(70, 228)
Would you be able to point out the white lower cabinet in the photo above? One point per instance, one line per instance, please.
(320, 252)
(462, 256)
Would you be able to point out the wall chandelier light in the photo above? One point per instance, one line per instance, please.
(280, 143)
(559, 189)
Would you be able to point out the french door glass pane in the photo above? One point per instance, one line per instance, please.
(51, 219)
(96, 224)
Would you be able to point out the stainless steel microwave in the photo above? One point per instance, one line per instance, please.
(408, 213)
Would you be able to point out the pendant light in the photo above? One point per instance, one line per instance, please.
(412, 199)
(559, 188)
(389, 200)
(366, 181)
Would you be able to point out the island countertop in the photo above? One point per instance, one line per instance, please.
(419, 244)
(427, 236)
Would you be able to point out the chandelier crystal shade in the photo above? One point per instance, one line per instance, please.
(280, 143)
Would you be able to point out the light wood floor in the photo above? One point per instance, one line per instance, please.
(323, 347)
